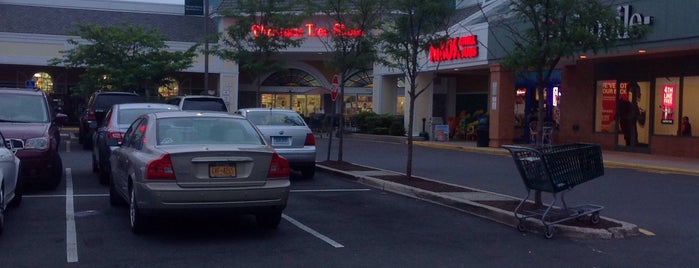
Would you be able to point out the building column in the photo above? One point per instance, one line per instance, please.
(229, 83)
(423, 104)
(384, 95)
(501, 105)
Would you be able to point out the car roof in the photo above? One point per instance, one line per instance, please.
(26, 91)
(184, 113)
(147, 105)
(267, 109)
(115, 93)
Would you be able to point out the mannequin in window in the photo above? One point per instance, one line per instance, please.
(686, 127)
(630, 114)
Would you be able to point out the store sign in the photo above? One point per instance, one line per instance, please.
(629, 18)
(308, 30)
(462, 47)
(667, 107)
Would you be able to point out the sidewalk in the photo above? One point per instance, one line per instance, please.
(498, 207)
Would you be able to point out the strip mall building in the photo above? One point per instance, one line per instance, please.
(583, 99)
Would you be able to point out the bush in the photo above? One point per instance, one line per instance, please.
(380, 124)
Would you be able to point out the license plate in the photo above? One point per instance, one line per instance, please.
(222, 170)
(281, 140)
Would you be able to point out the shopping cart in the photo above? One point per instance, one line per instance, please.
(554, 169)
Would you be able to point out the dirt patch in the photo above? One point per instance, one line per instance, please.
(344, 166)
(422, 184)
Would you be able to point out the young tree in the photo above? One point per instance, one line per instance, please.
(122, 57)
(411, 28)
(260, 29)
(545, 31)
(352, 42)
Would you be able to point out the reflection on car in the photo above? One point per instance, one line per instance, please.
(288, 133)
(197, 161)
(116, 120)
(9, 173)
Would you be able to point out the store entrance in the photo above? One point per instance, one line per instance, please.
(633, 127)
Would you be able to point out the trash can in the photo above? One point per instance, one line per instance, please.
(482, 131)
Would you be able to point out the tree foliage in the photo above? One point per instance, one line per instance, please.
(545, 31)
(352, 42)
(122, 57)
(257, 35)
(411, 28)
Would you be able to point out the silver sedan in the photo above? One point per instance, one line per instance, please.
(183, 161)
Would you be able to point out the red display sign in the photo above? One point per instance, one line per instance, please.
(667, 106)
(308, 30)
(608, 103)
(461, 47)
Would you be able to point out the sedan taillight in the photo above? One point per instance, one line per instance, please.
(115, 135)
(160, 169)
(310, 140)
(279, 167)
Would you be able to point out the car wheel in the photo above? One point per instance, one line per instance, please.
(95, 166)
(136, 218)
(114, 198)
(2, 207)
(269, 220)
(56, 172)
(81, 136)
(18, 194)
(104, 174)
(308, 172)
(87, 143)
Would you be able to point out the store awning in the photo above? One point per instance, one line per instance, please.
(318, 91)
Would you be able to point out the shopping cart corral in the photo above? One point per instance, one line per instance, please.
(556, 169)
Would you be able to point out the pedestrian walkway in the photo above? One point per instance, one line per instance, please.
(489, 205)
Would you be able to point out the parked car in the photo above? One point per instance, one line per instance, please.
(288, 133)
(97, 104)
(198, 161)
(199, 103)
(32, 126)
(117, 119)
(9, 173)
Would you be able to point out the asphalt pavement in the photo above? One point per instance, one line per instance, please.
(481, 203)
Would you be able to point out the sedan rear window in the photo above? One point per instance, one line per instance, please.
(204, 104)
(203, 130)
(274, 118)
(127, 116)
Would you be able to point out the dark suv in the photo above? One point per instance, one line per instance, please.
(31, 125)
(199, 102)
(93, 115)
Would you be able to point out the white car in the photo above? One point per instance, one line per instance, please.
(9, 171)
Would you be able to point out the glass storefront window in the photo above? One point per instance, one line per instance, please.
(621, 108)
(400, 105)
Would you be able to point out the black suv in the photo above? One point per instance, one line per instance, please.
(199, 102)
(97, 104)
(30, 123)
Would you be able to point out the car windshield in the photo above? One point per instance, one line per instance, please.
(206, 130)
(275, 118)
(204, 104)
(127, 116)
(23, 108)
(107, 100)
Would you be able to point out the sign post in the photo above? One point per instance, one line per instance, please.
(334, 88)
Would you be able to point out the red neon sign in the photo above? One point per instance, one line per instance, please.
(462, 47)
(308, 30)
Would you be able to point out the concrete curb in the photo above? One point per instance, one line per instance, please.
(484, 211)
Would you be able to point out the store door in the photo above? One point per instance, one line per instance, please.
(632, 103)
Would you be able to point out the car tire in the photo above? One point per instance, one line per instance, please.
(136, 218)
(269, 220)
(87, 143)
(95, 166)
(56, 172)
(2, 207)
(18, 194)
(308, 172)
(104, 174)
(81, 136)
(114, 199)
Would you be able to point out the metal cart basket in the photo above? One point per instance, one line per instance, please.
(555, 169)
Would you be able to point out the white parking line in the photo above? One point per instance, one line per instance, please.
(313, 232)
(71, 237)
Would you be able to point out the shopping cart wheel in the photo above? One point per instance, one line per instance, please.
(521, 227)
(594, 218)
(549, 232)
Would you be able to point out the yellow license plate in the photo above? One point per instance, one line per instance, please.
(219, 170)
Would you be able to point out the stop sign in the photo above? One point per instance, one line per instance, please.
(333, 88)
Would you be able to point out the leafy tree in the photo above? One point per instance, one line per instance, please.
(260, 30)
(351, 43)
(122, 57)
(411, 28)
(545, 31)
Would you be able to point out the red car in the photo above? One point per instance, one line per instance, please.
(31, 125)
